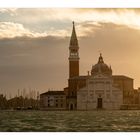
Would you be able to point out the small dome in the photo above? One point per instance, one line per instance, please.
(101, 67)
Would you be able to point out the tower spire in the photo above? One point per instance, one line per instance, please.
(73, 40)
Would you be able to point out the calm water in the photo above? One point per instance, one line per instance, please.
(65, 121)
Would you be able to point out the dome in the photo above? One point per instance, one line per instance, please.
(101, 67)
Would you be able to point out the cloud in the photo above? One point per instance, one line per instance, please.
(128, 17)
(11, 30)
(57, 22)
(87, 28)
(10, 11)
(33, 62)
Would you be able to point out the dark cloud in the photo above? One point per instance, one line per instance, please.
(33, 62)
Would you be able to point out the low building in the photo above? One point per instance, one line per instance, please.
(53, 100)
(125, 84)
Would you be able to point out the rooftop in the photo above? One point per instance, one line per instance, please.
(80, 77)
(114, 76)
(53, 93)
(121, 77)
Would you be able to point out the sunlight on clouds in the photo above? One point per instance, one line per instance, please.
(10, 11)
(127, 17)
(59, 33)
(51, 21)
(87, 28)
(11, 30)
(3, 10)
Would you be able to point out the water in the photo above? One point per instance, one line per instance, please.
(70, 121)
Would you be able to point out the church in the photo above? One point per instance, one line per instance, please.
(99, 89)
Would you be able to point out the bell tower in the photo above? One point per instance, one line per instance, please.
(73, 55)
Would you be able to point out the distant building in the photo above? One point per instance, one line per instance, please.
(100, 89)
(53, 100)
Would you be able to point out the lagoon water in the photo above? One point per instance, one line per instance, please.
(70, 121)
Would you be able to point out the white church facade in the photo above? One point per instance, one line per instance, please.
(99, 91)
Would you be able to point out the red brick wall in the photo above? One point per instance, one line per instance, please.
(73, 68)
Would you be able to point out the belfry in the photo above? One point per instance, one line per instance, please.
(73, 55)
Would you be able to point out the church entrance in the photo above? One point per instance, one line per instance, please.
(99, 103)
(71, 106)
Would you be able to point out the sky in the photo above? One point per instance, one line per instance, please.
(34, 45)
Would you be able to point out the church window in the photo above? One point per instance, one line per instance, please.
(72, 93)
(108, 96)
(99, 91)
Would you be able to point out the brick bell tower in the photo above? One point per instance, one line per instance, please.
(73, 71)
(73, 55)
